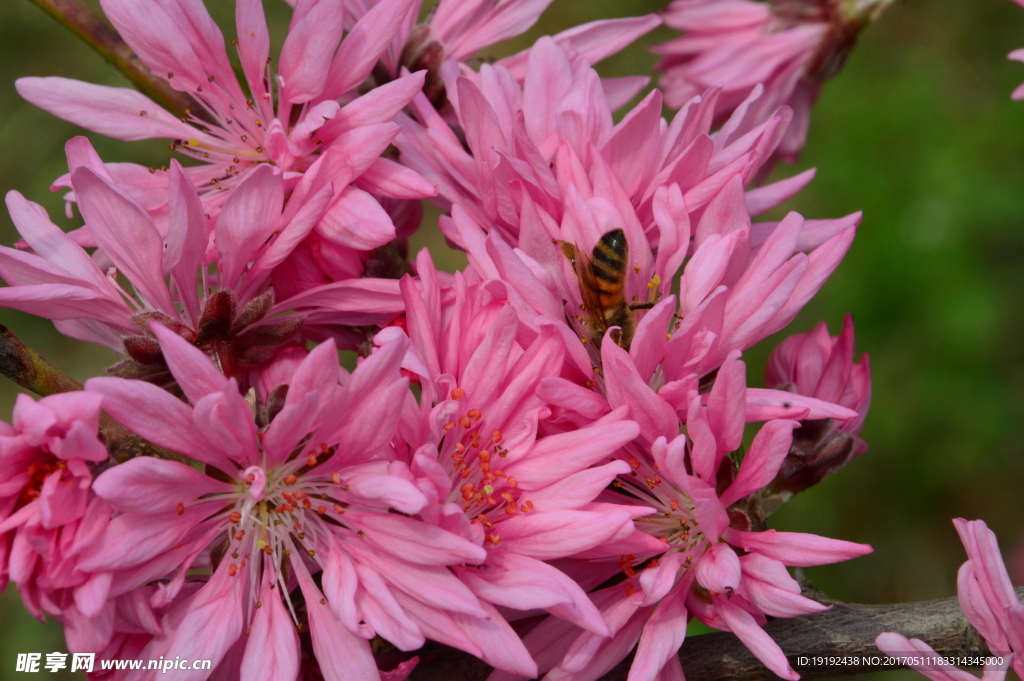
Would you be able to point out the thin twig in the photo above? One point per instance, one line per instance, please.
(94, 30)
(846, 631)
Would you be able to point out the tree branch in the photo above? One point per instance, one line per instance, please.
(101, 36)
(847, 630)
(31, 371)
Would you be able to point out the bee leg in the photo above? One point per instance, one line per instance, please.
(641, 306)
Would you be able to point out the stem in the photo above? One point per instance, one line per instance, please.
(101, 36)
(847, 630)
(31, 371)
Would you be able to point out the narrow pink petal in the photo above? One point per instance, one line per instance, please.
(154, 414)
(356, 220)
(576, 490)
(272, 651)
(727, 404)
(212, 622)
(557, 534)
(797, 548)
(192, 369)
(148, 485)
(308, 50)
(763, 460)
(416, 541)
(555, 457)
(364, 44)
(187, 237)
(342, 656)
(126, 235)
(500, 645)
(121, 113)
(247, 220)
(741, 623)
(382, 612)
(253, 44)
(391, 180)
(718, 570)
(662, 636)
(899, 645)
(763, 404)
(51, 243)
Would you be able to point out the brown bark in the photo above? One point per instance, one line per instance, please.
(847, 630)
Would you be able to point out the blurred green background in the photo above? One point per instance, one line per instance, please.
(918, 132)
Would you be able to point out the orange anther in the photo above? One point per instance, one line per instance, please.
(181, 510)
(300, 495)
(306, 503)
(527, 506)
(460, 448)
(232, 569)
(492, 539)
(336, 477)
(239, 535)
(468, 490)
(321, 509)
(673, 504)
(235, 517)
(474, 414)
(449, 425)
(634, 462)
(338, 508)
(511, 508)
(465, 422)
(512, 483)
(290, 479)
(630, 589)
(458, 393)
(297, 526)
(484, 455)
(311, 461)
(496, 436)
(251, 478)
(465, 474)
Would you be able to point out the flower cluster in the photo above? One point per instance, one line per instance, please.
(543, 460)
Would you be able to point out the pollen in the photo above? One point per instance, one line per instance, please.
(290, 480)
(630, 589)
(458, 393)
(474, 414)
(465, 422)
(181, 509)
(235, 517)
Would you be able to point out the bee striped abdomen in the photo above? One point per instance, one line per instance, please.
(608, 264)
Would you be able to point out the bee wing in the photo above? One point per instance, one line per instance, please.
(589, 291)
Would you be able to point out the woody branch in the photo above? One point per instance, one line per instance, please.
(846, 630)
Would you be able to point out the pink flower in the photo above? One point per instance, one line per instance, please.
(791, 47)
(49, 515)
(818, 365)
(533, 148)
(457, 30)
(290, 488)
(988, 599)
(496, 474)
(229, 312)
(316, 108)
(720, 566)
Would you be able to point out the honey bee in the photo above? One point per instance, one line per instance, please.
(602, 279)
